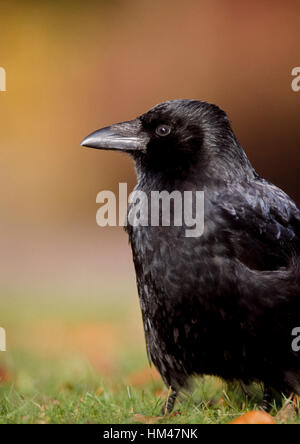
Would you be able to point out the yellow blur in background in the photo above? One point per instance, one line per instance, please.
(73, 67)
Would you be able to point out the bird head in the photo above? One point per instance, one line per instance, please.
(174, 138)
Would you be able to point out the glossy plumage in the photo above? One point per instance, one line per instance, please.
(224, 303)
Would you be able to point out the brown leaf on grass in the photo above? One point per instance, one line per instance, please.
(5, 376)
(161, 393)
(218, 402)
(146, 419)
(254, 417)
(143, 377)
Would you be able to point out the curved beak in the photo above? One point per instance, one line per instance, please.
(125, 136)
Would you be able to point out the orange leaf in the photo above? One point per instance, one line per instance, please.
(5, 376)
(146, 419)
(221, 402)
(161, 393)
(254, 417)
(296, 402)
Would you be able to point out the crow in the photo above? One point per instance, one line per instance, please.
(224, 303)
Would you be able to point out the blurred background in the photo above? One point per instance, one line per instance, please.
(67, 286)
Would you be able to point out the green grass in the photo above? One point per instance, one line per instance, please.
(60, 369)
(54, 395)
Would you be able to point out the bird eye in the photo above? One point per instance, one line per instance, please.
(163, 130)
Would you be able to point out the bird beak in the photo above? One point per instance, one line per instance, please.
(125, 136)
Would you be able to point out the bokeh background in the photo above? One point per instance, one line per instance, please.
(67, 287)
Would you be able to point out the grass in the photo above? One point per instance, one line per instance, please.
(89, 365)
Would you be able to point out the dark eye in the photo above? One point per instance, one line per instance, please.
(163, 130)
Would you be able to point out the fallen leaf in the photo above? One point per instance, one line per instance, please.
(161, 393)
(221, 402)
(217, 403)
(146, 419)
(5, 376)
(254, 417)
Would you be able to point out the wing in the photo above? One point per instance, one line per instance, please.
(262, 224)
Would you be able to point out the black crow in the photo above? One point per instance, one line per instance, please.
(224, 303)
